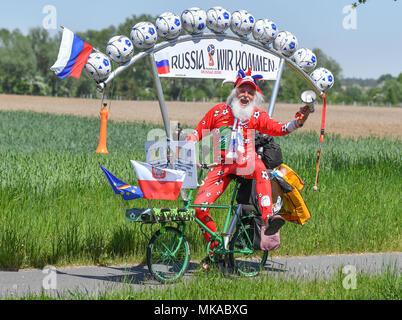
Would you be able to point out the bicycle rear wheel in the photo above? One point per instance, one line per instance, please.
(243, 258)
(168, 255)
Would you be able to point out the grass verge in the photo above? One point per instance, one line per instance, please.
(205, 286)
(57, 208)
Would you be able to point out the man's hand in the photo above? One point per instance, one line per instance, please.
(302, 115)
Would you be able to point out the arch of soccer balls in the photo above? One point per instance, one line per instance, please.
(120, 49)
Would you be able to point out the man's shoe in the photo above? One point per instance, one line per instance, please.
(206, 263)
(273, 224)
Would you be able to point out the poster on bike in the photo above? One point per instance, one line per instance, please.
(182, 157)
(214, 58)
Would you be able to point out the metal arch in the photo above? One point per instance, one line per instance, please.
(218, 37)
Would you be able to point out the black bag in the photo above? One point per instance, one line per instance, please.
(260, 240)
(244, 194)
(252, 220)
(271, 156)
(247, 195)
(272, 153)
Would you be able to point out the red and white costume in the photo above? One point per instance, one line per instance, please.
(246, 164)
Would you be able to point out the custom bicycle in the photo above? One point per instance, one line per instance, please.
(168, 250)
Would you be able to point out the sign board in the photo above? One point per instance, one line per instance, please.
(185, 159)
(216, 59)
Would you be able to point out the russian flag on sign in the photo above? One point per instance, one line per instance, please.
(162, 63)
(158, 183)
(73, 55)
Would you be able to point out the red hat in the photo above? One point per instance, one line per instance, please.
(243, 78)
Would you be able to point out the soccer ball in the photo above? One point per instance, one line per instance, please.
(305, 59)
(194, 20)
(242, 23)
(218, 19)
(265, 31)
(168, 25)
(323, 78)
(120, 49)
(144, 35)
(286, 43)
(98, 66)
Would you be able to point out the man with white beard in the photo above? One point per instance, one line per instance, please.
(239, 117)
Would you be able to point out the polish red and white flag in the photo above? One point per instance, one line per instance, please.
(158, 183)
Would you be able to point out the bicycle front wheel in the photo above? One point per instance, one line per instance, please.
(168, 255)
(243, 258)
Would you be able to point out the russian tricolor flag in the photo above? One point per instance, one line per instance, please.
(162, 63)
(158, 183)
(73, 55)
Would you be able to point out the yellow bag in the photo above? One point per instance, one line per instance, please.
(294, 208)
(291, 177)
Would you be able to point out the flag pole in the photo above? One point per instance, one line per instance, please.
(315, 187)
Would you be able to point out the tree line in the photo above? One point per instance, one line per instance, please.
(25, 62)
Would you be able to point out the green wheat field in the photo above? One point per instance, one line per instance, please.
(56, 206)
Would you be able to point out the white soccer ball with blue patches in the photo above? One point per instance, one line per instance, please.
(168, 25)
(194, 20)
(286, 43)
(144, 35)
(98, 66)
(323, 78)
(242, 23)
(120, 49)
(218, 19)
(305, 59)
(265, 31)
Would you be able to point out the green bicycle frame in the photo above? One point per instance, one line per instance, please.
(162, 230)
(214, 235)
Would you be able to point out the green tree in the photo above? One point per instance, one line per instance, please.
(400, 78)
(384, 77)
(25, 63)
(292, 85)
(45, 50)
(354, 94)
(393, 91)
(17, 62)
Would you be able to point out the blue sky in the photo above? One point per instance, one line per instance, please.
(371, 49)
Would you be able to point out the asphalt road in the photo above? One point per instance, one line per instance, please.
(98, 279)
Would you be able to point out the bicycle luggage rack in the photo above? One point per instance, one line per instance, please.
(160, 215)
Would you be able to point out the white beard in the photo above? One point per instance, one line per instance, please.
(243, 113)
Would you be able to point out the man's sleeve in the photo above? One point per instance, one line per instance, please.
(204, 126)
(267, 125)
